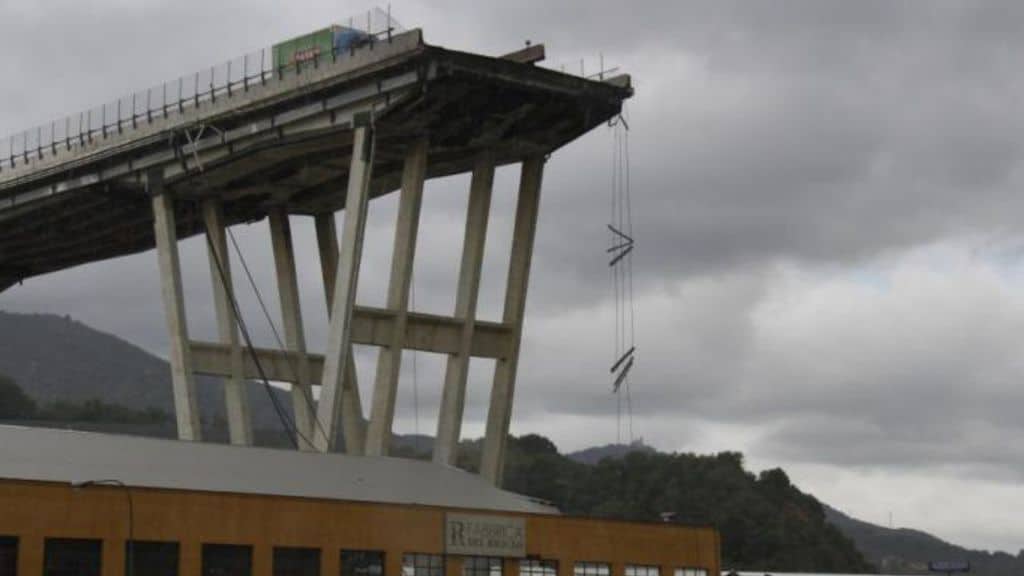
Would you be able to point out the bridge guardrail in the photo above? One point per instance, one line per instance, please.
(142, 107)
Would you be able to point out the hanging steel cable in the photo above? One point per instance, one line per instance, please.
(620, 265)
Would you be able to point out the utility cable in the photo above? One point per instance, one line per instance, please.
(289, 426)
(305, 391)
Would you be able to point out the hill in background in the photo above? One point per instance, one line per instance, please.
(56, 358)
(908, 551)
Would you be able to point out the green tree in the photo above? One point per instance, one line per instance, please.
(765, 522)
(14, 403)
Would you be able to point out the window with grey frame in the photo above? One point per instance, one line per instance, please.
(481, 566)
(8, 556)
(538, 567)
(72, 557)
(640, 570)
(148, 558)
(296, 561)
(691, 572)
(362, 563)
(592, 569)
(227, 560)
(422, 565)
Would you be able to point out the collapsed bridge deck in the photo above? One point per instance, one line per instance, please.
(287, 141)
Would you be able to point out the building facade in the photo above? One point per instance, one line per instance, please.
(306, 515)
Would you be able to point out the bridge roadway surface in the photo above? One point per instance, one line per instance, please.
(288, 141)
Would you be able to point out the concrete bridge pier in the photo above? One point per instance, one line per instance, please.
(186, 407)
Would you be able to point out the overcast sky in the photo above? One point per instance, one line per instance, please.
(827, 195)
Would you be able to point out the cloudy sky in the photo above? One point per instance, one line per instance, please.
(826, 200)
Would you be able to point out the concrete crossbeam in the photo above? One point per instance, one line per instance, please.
(370, 326)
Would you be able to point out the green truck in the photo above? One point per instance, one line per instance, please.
(325, 43)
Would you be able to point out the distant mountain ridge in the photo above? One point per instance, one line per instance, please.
(595, 454)
(908, 551)
(58, 358)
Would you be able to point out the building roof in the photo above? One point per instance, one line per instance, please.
(51, 455)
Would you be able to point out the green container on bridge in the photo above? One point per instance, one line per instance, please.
(317, 45)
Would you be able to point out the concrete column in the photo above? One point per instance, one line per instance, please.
(186, 408)
(453, 399)
(339, 339)
(236, 396)
(389, 362)
(294, 333)
(500, 412)
(352, 420)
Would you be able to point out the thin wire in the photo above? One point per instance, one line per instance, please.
(305, 392)
(622, 272)
(629, 272)
(289, 426)
(615, 275)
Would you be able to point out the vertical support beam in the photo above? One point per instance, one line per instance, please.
(186, 407)
(453, 399)
(352, 420)
(389, 362)
(499, 415)
(291, 313)
(339, 339)
(236, 396)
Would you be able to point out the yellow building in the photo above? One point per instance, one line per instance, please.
(108, 505)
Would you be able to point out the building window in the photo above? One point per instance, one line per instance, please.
(296, 561)
(362, 563)
(72, 557)
(422, 565)
(481, 566)
(227, 560)
(691, 572)
(632, 570)
(150, 558)
(533, 567)
(591, 569)
(8, 556)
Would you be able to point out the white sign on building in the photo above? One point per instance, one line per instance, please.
(473, 535)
